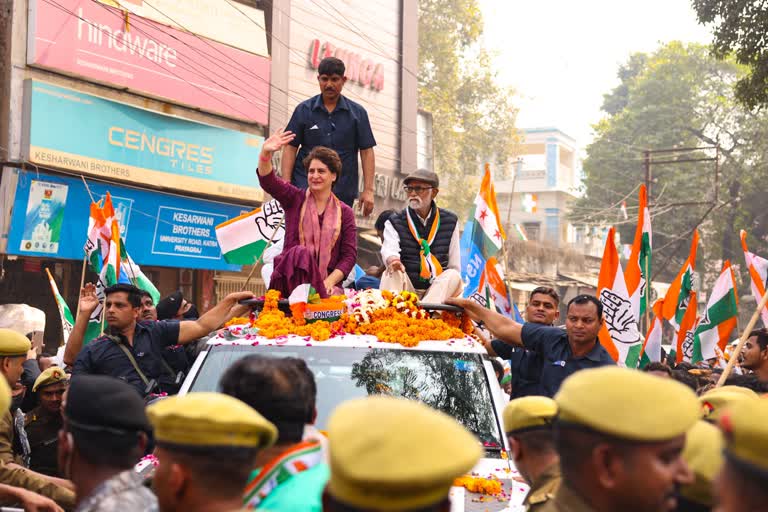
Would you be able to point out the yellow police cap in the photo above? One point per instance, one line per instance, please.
(49, 377)
(627, 404)
(390, 453)
(210, 419)
(5, 395)
(13, 344)
(716, 400)
(703, 453)
(529, 412)
(745, 426)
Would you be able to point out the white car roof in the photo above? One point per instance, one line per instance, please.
(466, 344)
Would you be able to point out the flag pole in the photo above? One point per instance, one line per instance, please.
(647, 293)
(261, 258)
(87, 188)
(82, 283)
(742, 340)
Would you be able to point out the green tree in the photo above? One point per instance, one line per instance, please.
(739, 29)
(473, 116)
(678, 97)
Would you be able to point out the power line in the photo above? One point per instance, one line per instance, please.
(71, 13)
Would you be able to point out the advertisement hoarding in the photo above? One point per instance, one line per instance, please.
(159, 229)
(88, 134)
(88, 39)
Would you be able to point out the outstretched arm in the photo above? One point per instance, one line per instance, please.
(505, 329)
(212, 320)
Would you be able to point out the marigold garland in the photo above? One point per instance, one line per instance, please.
(479, 485)
(392, 318)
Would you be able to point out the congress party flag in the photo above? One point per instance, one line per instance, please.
(758, 274)
(680, 291)
(494, 289)
(245, 238)
(639, 265)
(67, 320)
(719, 319)
(97, 238)
(686, 331)
(652, 344)
(487, 232)
(619, 333)
(131, 272)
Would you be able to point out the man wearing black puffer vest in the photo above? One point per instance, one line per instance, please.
(421, 244)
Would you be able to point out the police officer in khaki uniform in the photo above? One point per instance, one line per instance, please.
(13, 352)
(390, 453)
(717, 400)
(206, 445)
(703, 453)
(44, 421)
(528, 423)
(743, 481)
(620, 434)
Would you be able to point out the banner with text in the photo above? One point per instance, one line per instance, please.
(90, 40)
(50, 219)
(117, 141)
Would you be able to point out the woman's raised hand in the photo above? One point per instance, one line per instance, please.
(277, 140)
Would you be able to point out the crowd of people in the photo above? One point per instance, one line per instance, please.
(107, 430)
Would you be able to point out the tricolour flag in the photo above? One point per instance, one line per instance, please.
(244, 238)
(758, 275)
(97, 241)
(494, 289)
(639, 265)
(652, 344)
(67, 320)
(520, 232)
(719, 319)
(487, 233)
(131, 270)
(686, 330)
(679, 293)
(619, 334)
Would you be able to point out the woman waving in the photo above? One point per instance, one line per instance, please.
(320, 245)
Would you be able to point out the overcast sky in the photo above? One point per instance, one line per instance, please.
(562, 55)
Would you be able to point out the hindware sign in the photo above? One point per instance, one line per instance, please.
(91, 40)
(227, 21)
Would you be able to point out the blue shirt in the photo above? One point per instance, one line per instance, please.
(557, 359)
(525, 368)
(346, 130)
(103, 356)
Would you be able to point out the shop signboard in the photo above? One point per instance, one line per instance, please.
(50, 219)
(88, 39)
(229, 22)
(66, 129)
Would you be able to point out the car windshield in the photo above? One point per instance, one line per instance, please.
(453, 382)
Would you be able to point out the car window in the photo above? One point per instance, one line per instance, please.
(453, 382)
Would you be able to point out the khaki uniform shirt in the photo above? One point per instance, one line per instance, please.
(543, 489)
(566, 500)
(43, 434)
(19, 476)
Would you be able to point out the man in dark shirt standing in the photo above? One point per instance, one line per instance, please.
(132, 350)
(331, 120)
(525, 365)
(562, 352)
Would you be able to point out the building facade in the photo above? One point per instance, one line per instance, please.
(546, 180)
(165, 106)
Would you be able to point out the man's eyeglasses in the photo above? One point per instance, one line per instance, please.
(418, 190)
